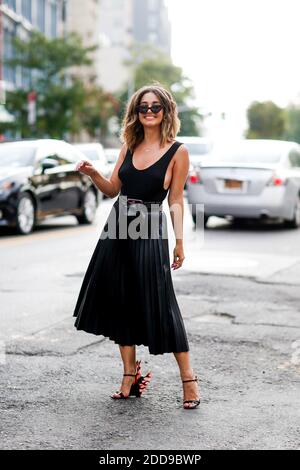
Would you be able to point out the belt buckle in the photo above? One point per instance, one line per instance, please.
(133, 201)
(133, 206)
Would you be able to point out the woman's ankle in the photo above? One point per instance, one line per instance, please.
(129, 370)
(187, 374)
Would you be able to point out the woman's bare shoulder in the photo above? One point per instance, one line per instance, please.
(123, 150)
(181, 157)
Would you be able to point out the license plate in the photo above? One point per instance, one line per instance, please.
(232, 184)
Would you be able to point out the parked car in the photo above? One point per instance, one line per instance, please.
(112, 155)
(254, 179)
(38, 180)
(95, 153)
(198, 148)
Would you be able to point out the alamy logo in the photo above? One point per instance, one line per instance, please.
(133, 219)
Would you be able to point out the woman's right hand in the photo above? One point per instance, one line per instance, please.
(86, 167)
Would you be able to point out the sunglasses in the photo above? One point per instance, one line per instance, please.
(143, 108)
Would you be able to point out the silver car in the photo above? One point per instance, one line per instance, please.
(248, 179)
(94, 151)
(112, 155)
(198, 148)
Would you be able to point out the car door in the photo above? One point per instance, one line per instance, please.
(46, 182)
(70, 180)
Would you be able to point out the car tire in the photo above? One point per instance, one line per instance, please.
(89, 208)
(295, 222)
(25, 216)
(239, 221)
(206, 217)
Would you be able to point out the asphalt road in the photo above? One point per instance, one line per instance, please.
(239, 293)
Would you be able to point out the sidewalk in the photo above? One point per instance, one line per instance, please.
(56, 383)
(262, 267)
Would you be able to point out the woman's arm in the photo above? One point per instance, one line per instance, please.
(175, 200)
(110, 187)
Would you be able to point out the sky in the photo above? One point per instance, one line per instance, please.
(238, 51)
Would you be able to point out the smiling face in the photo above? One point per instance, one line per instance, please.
(150, 119)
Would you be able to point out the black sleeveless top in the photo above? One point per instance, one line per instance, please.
(146, 184)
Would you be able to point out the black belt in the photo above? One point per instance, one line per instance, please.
(130, 201)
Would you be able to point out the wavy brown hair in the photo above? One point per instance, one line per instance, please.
(132, 129)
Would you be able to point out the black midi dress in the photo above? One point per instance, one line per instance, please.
(127, 292)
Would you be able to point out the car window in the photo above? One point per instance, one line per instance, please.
(95, 153)
(248, 152)
(91, 153)
(294, 158)
(61, 160)
(197, 148)
(112, 155)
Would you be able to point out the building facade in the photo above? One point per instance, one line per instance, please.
(83, 19)
(18, 18)
(151, 24)
(122, 24)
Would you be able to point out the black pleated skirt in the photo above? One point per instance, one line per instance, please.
(127, 291)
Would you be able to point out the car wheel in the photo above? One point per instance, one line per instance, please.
(238, 221)
(206, 217)
(25, 218)
(295, 222)
(89, 208)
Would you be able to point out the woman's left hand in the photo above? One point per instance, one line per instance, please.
(178, 257)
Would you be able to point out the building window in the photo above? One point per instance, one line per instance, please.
(53, 20)
(26, 9)
(11, 4)
(41, 15)
(9, 53)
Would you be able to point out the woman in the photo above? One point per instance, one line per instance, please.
(127, 292)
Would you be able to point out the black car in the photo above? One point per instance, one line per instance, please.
(38, 179)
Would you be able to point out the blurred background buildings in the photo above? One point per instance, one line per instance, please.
(124, 23)
(114, 27)
(19, 18)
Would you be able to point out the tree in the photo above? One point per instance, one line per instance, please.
(292, 131)
(99, 107)
(148, 65)
(60, 95)
(266, 121)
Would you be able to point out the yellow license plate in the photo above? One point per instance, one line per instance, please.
(233, 184)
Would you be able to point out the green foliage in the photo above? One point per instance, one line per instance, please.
(99, 107)
(52, 57)
(149, 65)
(266, 121)
(292, 131)
(59, 99)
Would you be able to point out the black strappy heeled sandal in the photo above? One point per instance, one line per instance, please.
(139, 385)
(195, 403)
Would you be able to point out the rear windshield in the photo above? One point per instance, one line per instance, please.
(197, 148)
(248, 153)
(90, 153)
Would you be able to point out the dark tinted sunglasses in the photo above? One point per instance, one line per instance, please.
(143, 108)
